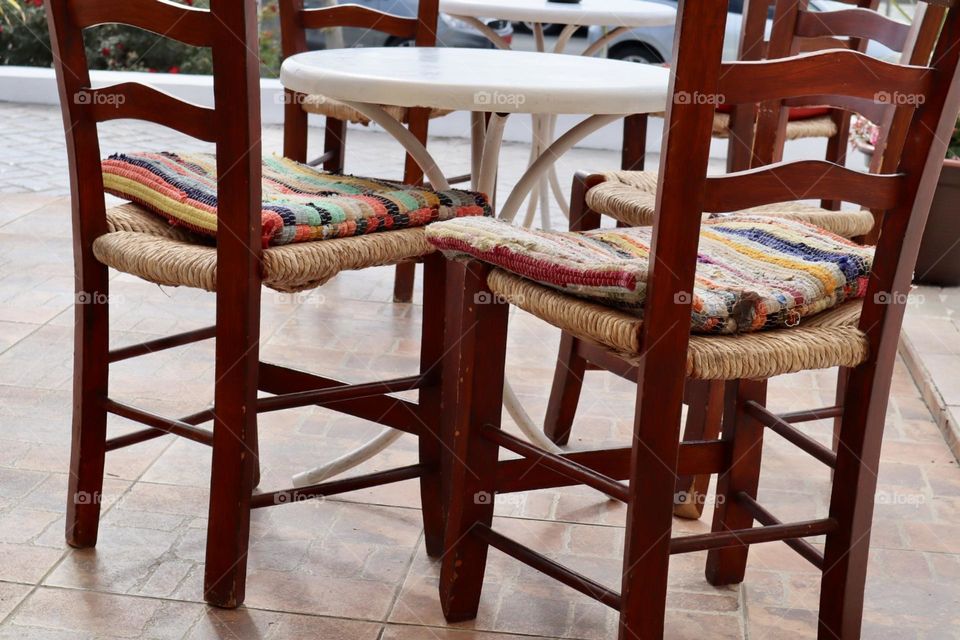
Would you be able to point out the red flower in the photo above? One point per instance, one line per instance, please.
(173, 70)
(105, 51)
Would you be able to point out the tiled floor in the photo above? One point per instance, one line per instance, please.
(354, 567)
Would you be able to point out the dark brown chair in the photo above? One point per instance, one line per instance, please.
(133, 240)
(833, 126)
(630, 197)
(660, 354)
(295, 22)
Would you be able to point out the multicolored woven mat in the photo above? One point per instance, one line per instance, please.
(753, 272)
(300, 203)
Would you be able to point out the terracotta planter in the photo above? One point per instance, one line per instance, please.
(939, 259)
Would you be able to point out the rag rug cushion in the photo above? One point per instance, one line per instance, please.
(300, 203)
(753, 272)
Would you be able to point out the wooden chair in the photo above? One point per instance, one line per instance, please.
(660, 354)
(295, 21)
(619, 195)
(132, 240)
(834, 126)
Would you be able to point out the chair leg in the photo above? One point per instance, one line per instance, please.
(403, 281)
(88, 447)
(234, 441)
(294, 127)
(568, 377)
(837, 151)
(335, 143)
(431, 361)
(565, 392)
(704, 415)
(852, 501)
(473, 399)
(634, 152)
(745, 436)
(653, 474)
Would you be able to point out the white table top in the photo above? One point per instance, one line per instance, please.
(489, 80)
(613, 13)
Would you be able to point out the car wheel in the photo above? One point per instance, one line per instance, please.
(635, 52)
(549, 29)
(400, 42)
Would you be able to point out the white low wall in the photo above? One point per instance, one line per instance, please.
(38, 86)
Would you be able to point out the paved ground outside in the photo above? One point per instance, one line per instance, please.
(354, 567)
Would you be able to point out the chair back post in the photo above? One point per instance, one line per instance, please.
(743, 117)
(846, 552)
(83, 145)
(428, 15)
(418, 118)
(236, 88)
(665, 332)
(772, 116)
(293, 35)
(921, 161)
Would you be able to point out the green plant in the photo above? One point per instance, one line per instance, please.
(953, 151)
(25, 41)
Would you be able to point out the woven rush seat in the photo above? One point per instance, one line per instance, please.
(324, 106)
(142, 244)
(828, 339)
(630, 197)
(819, 127)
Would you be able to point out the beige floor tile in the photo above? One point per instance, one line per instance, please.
(220, 624)
(98, 615)
(12, 595)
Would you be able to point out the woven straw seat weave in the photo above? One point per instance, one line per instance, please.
(630, 197)
(826, 340)
(324, 106)
(819, 127)
(141, 244)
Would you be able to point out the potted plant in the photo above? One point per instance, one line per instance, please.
(939, 260)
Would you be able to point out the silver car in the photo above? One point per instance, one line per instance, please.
(451, 32)
(655, 44)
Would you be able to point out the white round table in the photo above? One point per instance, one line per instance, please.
(619, 15)
(482, 81)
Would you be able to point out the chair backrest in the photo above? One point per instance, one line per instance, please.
(296, 19)
(755, 45)
(229, 29)
(795, 26)
(841, 78)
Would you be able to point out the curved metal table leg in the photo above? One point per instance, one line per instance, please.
(560, 146)
(401, 134)
(348, 460)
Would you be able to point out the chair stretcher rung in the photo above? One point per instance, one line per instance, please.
(338, 393)
(755, 535)
(548, 567)
(324, 489)
(159, 424)
(812, 414)
(791, 434)
(559, 464)
(383, 409)
(161, 344)
(764, 517)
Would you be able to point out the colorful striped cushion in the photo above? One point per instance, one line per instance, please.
(753, 272)
(300, 203)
